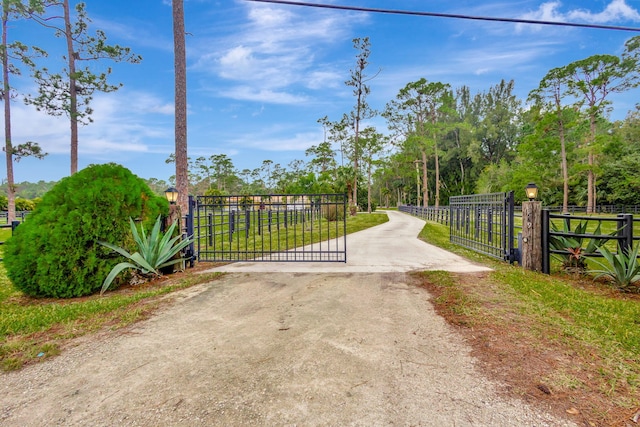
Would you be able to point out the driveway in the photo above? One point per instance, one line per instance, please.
(286, 348)
(387, 248)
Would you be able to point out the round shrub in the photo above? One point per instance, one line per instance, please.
(55, 253)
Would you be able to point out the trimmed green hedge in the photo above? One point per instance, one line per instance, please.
(55, 252)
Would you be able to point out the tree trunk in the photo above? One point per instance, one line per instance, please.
(11, 190)
(435, 144)
(591, 201)
(369, 188)
(460, 162)
(73, 89)
(180, 66)
(565, 172)
(425, 186)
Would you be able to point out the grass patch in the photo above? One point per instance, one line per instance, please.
(33, 329)
(568, 334)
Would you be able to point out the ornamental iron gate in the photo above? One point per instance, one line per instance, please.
(269, 228)
(484, 223)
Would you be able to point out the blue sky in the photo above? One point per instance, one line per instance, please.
(260, 75)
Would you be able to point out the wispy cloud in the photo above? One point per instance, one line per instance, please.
(278, 138)
(277, 53)
(130, 123)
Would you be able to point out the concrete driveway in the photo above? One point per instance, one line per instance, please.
(358, 347)
(392, 247)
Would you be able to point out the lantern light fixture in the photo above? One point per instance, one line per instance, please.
(532, 191)
(172, 195)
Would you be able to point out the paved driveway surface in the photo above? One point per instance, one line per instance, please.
(279, 349)
(390, 247)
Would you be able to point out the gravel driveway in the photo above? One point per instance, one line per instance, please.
(277, 348)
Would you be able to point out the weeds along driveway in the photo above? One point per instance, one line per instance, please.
(279, 348)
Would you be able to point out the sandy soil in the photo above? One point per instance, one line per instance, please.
(277, 349)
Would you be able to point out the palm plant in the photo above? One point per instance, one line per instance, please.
(155, 251)
(622, 267)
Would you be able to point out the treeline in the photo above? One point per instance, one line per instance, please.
(445, 141)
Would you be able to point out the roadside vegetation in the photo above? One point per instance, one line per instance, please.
(565, 341)
(34, 329)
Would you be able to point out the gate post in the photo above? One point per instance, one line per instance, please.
(531, 236)
(625, 232)
(546, 255)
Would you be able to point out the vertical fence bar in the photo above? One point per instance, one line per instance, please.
(625, 232)
(546, 255)
(510, 238)
(247, 223)
(210, 226)
(232, 224)
(190, 229)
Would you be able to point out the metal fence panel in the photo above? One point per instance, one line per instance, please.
(484, 223)
(277, 227)
(428, 213)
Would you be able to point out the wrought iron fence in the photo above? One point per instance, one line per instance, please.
(428, 213)
(484, 223)
(300, 227)
(623, 235)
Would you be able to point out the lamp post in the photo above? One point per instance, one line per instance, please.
(531, 250)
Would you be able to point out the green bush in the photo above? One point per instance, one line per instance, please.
(56, 252)
(333, 212)
(24, 204)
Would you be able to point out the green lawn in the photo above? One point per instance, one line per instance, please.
(590, 320)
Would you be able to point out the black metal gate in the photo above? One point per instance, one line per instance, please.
(276, 227)
(484, 223)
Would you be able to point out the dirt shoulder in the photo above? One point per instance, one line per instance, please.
(539, 369)
(276, 349)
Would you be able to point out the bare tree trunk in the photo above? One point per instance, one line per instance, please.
(73, 89)
(355, 151)
(11, 189)
(425, 186)
(369, 188)
(565, 172)
(182, 173)
(437, 175)
(591, 201)
(457, 133)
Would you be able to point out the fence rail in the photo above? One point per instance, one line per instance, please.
(20, 216)
(440, 214)
(623, 235)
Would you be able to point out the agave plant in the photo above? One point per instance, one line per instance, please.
(155, 251)
(574, 259)
(622, 267)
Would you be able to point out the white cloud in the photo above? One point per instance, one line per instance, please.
(274, 55)
(616, 11)
(248, 93)
(279, 140)
(117, 125)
